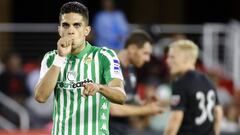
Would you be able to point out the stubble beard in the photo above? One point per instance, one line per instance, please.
(76, 48)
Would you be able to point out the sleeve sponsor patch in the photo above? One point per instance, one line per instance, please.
(116, 69)
(116, 64)
(115, 61)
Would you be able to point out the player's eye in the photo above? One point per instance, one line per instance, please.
(65, 25)
(77, 25)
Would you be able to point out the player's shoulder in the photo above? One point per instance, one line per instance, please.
(196, 76)
(50, 53)
(107, 52)
(191, 75)
(49, 57)
(185, 79)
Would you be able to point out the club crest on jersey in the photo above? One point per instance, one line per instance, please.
(88, 60)
(71, 75)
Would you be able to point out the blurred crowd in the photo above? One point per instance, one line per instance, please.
(17, 79)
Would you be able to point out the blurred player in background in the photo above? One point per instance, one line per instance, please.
(135, 54)
(113, 23)
(195, 107)
(84, 78)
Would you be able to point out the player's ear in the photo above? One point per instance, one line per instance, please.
(59, 31)
(87, 30)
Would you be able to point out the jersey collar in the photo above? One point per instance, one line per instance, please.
(80, 54)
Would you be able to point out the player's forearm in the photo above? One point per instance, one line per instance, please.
(170, 132)
(128, 110)
(46, 85)
(114, 94)
(174, 123)
(171, 129)
(218, 118)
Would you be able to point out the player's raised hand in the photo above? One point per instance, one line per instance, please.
(90, 89)
(64, 45)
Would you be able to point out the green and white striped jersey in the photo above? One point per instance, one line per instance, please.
(74, 114)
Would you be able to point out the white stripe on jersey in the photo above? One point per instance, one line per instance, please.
(44, 68)
(96, 61)
(67, 110)
(75, 102)
(89, 73)
(61, 110)
(82, 99)
(56, 117)
(61, 105)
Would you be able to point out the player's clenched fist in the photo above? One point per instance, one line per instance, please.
(90, 89)
(64, 45)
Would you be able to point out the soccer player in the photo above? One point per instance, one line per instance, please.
(135, 54)
(84, 78)
(195, 107)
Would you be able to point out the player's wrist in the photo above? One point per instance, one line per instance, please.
(59, 61)
(99, 87)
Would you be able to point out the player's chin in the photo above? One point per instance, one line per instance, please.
(173, 72)
(75, 46)
(140, 64)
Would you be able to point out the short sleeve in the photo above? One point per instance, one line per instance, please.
(46, 63)
(178, 100)
(216, 95)
(111, 65)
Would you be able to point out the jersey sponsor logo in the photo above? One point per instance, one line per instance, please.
(64, 85)
(81, 83)
(116, 68)
(175, 100)
(116, 62)
(116, 65)
(72, 85)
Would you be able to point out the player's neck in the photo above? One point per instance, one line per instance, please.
(187, 69)
(123, 57)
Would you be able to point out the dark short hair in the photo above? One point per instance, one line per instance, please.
(138, 38)
(74, 7)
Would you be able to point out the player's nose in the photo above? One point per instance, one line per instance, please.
(71, 30)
